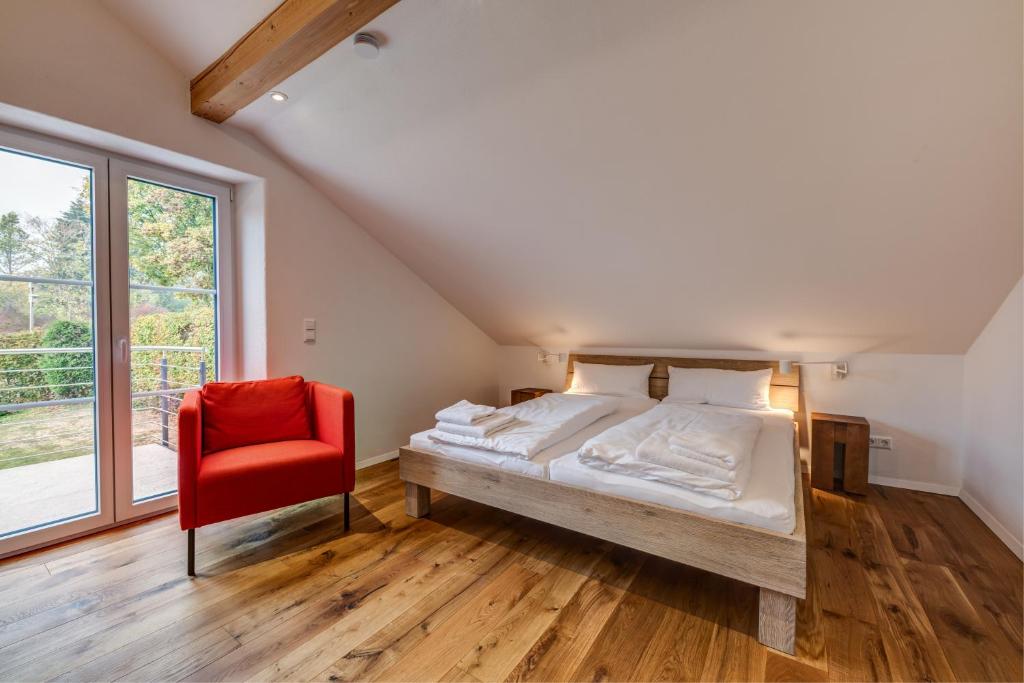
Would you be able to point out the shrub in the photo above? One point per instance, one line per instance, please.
(192, 327)
(55, 366)
(10, 381)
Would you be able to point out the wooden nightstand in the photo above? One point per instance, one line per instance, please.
(839, 452)
(520, 395)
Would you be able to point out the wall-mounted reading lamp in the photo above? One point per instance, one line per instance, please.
(839, 367)
(544, 356)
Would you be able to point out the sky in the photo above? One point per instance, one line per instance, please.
(37, 187)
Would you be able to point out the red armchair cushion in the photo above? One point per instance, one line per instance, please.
(241, 481)
(239, 414)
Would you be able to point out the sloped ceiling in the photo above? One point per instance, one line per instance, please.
(788, 175)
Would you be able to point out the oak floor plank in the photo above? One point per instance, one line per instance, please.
(432, 657)
(991, 596)
(901, 585)
(282, 593)
(182, 661)
(781, 667)
(840, 584)
(810, 630)
(368, 659)
(678, 650)
(457, 675)
(78, 642)
(971, 646)
(113, 577)
(855, 651)
(274, 639)
(619, 646)
(912, 649)
(497, 653)
(561, 648)
(382, 649)
(169, 632)
(320, 614)
(734, 653)
(319, 651)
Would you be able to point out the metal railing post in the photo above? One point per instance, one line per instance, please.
(202, 371)
(164, 403)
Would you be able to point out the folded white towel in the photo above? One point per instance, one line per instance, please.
(710, 455)
(464, 413)
(536, 424)
(622, 449)
(479, 429)
(656, 449)
(721, 439)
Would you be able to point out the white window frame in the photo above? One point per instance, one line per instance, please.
(120, 171)
(37, 145)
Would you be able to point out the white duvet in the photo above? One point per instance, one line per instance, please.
(768, 501)
(643, 447)
(537, 424)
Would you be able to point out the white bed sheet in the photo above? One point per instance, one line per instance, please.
(538, 465)
(767, 502)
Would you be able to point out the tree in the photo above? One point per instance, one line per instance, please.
(65, 245)
(15, 248)
(170, 236)
(64, 251)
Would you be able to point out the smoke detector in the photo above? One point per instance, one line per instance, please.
(366, 45)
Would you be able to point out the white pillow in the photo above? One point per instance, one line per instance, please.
(732, 388)
(614, 380)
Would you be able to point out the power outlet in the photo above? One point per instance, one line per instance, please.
(881, 442)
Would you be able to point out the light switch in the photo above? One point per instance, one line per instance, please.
(309, 330)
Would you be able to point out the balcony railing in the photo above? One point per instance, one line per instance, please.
(160, 377)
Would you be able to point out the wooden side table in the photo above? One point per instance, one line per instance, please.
(520, 395)
(839, 452)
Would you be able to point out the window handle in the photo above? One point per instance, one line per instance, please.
(124, 350)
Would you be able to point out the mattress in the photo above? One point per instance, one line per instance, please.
(537, 466)
(767, 502)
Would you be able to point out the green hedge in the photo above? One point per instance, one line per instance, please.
(10, 381)
(69, 375)
(194, 326)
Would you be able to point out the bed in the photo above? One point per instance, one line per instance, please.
(558, 491)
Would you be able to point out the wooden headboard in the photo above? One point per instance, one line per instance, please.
(783, 393)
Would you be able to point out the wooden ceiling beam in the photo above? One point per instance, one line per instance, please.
(292, 36)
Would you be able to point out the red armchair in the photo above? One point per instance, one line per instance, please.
(247, 447)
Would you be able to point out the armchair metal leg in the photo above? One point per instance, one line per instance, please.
(346, 512)
(191, 552)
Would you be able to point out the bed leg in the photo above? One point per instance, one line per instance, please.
(776, 623)
(417, 500)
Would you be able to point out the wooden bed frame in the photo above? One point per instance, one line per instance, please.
(772, 561)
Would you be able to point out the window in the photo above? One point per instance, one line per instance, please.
(106, 320)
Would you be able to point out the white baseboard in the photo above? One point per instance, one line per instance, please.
(926, 486)
(376, 459)
(1013, 543)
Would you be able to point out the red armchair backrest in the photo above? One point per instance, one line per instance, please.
(244, 413)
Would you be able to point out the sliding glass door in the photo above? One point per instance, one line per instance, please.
(105, 322)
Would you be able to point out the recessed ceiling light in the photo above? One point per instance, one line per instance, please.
(277, 96)
(367, 45)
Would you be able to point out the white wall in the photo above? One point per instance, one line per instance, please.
(993, 416)
(916, 399)
(383, 333)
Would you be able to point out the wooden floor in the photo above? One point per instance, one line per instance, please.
(902, 585)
